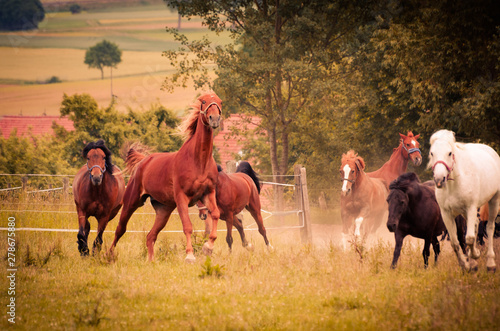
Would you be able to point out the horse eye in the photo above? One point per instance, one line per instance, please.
(352, 171)
(449, 154)
(432, 154)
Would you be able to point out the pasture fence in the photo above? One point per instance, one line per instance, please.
(50, 194)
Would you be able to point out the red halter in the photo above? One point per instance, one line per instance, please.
(448, 168)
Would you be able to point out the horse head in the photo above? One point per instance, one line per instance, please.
(351, 167)
(411, 147)
(442, 156)
(98, 161)
(211, 109)
(398, 203)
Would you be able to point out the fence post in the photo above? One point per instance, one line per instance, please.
(298, 196)
(306, 231)
(65, 187)
(24, 180)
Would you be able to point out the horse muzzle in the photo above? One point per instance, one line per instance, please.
(417, 161)
(96, 180)
(392, 226)
(440, 182)
(346, 192)
(214, 121)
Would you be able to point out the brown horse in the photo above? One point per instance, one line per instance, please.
(363, 199)
(98, 190)
(234, 193)
(178, 179)
(408, 149)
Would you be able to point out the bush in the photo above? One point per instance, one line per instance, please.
(75, 8)
(53, 79)
(20, 14)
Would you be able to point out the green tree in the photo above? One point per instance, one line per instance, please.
(281, 59)
(20, 14)
(103, 54)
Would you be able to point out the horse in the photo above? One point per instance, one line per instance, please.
(408, 149)
(483, 215)
(98, 190)
(178, 179)
(234, 192)
(363, 199)
(467, 176)
(413, 210)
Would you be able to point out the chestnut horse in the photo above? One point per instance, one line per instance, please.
(363, 199)
(413, 210)
(98, 190)
(408, 149)
(484, 214)
(234, 193)
(178, 179)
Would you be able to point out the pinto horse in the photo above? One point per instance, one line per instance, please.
(408, 149)
(413, 210)
(467, 176)
(98, 189)
(178, 179)
(363, 199)
(234, 192)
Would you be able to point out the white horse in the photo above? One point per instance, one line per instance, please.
(466, 176)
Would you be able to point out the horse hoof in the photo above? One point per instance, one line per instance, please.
(491, 269)
(190, 258)
(207, 250)
(473, 266)
(270, 248)
(250, 247)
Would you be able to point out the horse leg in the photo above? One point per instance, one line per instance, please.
(398, 236)
(162, 214)
(257, 216)
(203, 215)
(182, 207)
(470, 237)
(451, 226)
(83, 233)
(229, 226)
(101, 226)
(436, 247)
(238, 224)
(490, 230)
(426, 252)
(131, 201)
(210, 202)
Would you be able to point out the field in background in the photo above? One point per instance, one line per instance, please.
(57, 49)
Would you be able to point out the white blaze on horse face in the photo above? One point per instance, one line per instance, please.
(358, 223)
(347, 171)
(414, 143)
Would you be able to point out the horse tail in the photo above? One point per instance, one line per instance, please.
(247, 169)
(135, 153)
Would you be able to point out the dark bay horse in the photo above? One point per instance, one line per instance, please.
(98, 190)
(363, 199)
(178, 179)
(408, 149)
(234, 192)
(413, 210)
(483, 215)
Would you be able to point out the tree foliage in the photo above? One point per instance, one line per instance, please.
(20, 14)
(103, 54)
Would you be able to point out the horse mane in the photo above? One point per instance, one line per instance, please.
(247, 169)
(446, 135)
(187, 128)
(404, 181)
(102, 146)
(351, 155)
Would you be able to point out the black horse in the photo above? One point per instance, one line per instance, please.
(413, 210)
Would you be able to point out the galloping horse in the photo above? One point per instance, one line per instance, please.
(408, 149)
(466, 176)
(413, 210)
(235, 192)
(363, 199)
(98, 190)
(177, 179)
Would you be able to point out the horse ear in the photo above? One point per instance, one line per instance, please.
(360, 163)
(417, 136)
(402, 136)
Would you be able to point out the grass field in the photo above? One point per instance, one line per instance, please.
(293, 287)
(58, 48)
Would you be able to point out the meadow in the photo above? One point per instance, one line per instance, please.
(295, 286)
(58, 48)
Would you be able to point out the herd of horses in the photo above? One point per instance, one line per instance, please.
(465, 176)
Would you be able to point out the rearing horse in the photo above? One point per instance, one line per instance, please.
(98, 191)
(408, 149)
(178, 179)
